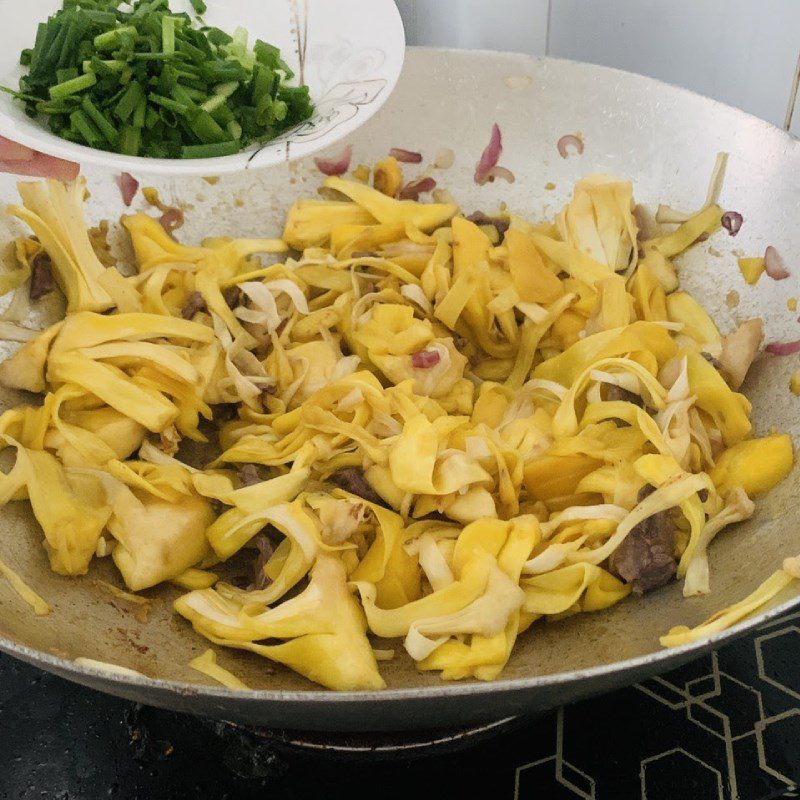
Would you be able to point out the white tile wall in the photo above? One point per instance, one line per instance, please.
(742, 52)
(517, 25)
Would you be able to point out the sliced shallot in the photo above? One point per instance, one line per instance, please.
(783, 348)
(171, 219)
(569, 142)
(500, 172)
(425, 359)
(128, 186)
(413, 189)
(490, 156)
(773, 265)
(406, 156)
(335, 166)
(732, 222)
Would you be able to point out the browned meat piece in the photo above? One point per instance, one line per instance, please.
(194, 305)
(42, 281)
(646, 558)
(233, 296)
(248, 474)
(614, 393)
(500, 225)
(265, 549)
(352, 480)
(223, 412)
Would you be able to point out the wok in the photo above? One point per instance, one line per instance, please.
(664, 139)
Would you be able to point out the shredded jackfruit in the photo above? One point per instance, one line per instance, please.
(39, 606)
(207, 664)
(428, 430)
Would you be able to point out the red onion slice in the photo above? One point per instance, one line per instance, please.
(490, 155)
(499, 172)
(732, 222)
(171, 219)
(406, 156)
(335, 166)
(425, 359)
(413, 189)
(569, 142)
(783, 348)
(128, 186)
(773, 265)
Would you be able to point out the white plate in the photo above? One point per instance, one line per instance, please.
(349, 52)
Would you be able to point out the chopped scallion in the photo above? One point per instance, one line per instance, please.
(136, 78)
(72, 86)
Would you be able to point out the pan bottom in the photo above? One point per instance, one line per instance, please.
(255, 744)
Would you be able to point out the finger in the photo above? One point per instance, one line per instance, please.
(14, 151)
(56, 168)
(42, 166)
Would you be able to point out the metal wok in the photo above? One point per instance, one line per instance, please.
(664, 139)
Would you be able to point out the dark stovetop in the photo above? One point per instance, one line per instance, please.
(727, 726)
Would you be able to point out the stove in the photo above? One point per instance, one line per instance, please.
(725, 727)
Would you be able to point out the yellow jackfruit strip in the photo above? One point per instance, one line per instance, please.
(705, 221)
(728, 617)
(208, 666)
(39, 606)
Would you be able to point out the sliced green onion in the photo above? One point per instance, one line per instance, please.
(66, 74)
(197, 96)
(129, 141)
(100, 17)
(234, 129)
(139, 113)
(83, 125)
(141, 79)
(100, 120)
(166, 102)
(72, 86)
(220, 96)
(210, 150)
(128, 102)
(205, 128)
(110, 39)
(168, 34)
(151, 118)
(104, 67)
(181, 95)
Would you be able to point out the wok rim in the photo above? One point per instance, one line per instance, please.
(660, 660)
